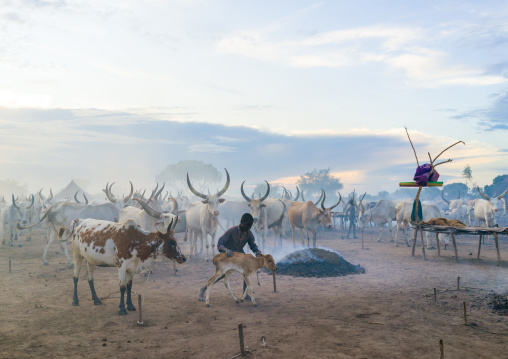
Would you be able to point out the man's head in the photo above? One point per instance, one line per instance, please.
(246, 222)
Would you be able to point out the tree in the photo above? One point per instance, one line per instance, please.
(498, 186)
(312, 182)
(201, 175)
(467, 173)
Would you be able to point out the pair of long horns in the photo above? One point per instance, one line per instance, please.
(444, 199)
(112, 198)
(332, 207)
(360, 201)
(220, 193)
(153, 212)
(76, 198)
(487, 197)
(16, 205)
(44, 198)
(262, 198)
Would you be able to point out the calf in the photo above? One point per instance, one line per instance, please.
(245, 264)
(124, 245)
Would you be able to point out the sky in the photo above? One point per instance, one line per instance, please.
(111, 91)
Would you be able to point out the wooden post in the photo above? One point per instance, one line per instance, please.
(455, 248)
(479, 247)
(274, 282)
(240, 334)
(435, 295)
(362, 239)
(9, 266)
(414, 241)
(458, 283)
(437, 243)
(497, 248)
(423, 245)
(441, 348)
(140, 305)
(465, 314)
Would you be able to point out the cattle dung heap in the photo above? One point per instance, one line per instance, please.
(316, 262)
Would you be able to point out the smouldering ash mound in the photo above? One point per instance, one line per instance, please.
(316, 262)
(498, 303)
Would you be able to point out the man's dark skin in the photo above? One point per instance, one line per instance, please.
(352, 218)
(233, 240)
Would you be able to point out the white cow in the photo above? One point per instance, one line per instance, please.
(202, 217)
(13, 214)
(268, 213)
(382, 213)
(148, 218)
(403, 211)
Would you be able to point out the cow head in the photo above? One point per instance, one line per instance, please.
(124, 202)
(212, 201)
(268, 261)
(163, 218)
(170, 247)
(22, 210)
(497, 201)
(363, 215)
(325, 214)
(256, 205)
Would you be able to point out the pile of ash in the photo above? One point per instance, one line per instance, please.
(498, 303)
(316, 262)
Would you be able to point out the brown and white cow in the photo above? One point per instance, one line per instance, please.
(307, 216)
(123, 245)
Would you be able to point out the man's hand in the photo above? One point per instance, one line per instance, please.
(258, 254)
(229, 253)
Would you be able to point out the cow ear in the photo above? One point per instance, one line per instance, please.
(222, 200)
(205, 201)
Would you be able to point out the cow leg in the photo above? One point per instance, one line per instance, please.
(29, 235)
(17, 237)
(293, 233)
(250, 290)
(122, 277)
(63, 245)
(51, 238)
(130, 306)
(314, 239)
(301, 236)
(209, 284)
(89, 274)
(78, 259)
(308, 237)
(226, 283)
(380, 231)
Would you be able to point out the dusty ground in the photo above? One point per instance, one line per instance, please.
(383, 313)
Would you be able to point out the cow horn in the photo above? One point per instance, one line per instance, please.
(503, 194)
(458, 197)
(297, 193)
(176, 222)
(290, 195)
(50, 195)
(108, 193)
(174, 210)
(86, 199)
(157, 195)
(226, 186)
(40, 194)
(482, 194)
(320, 197)
(152, 212)
(31, 204)
(323, 201)
(303, 198)
(267, 192)
(76, 197)
(442, 196)
(14, 202)
(340, 199)
(126, 199)
(243, 193)
(168, 231)
(284, 193)
(193, 190)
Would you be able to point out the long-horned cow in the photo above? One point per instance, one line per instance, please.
(268, 213)
(403, 211)
(13, 214)
(382, 213)
(486, 213)
(123, 245)
(149, 218)
(202, 217)
(454, 203)
(305, 215)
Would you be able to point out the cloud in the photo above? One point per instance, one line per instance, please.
(47, 148)
(491, 118)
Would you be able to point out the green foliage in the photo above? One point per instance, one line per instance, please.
(467, 173)
(201, 175)
(498, 186)
(312, 183)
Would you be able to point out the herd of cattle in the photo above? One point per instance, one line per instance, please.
(199, 219)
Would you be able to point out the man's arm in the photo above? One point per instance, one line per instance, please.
(252, 244)
(223, 240)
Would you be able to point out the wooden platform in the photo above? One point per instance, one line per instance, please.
(454, 231)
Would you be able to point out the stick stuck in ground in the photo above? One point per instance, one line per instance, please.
(465, 314)
(240, 334)
(441, 348)
(274, 282)
(140, 305)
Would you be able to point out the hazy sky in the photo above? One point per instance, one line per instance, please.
(110, 90)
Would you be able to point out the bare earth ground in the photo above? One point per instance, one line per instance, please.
(383, 313)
